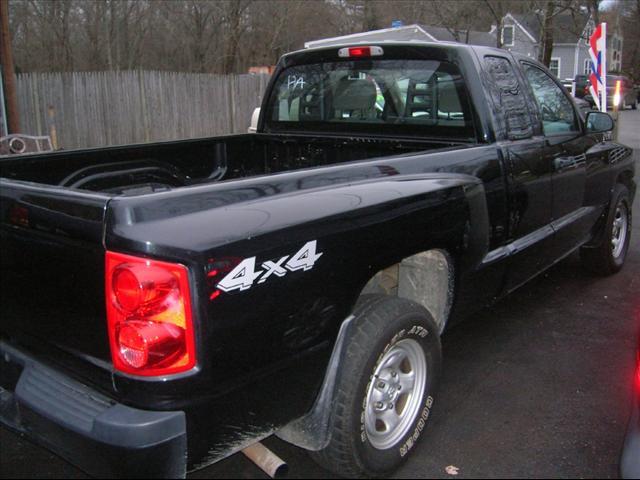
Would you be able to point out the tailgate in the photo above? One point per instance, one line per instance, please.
(52, 261)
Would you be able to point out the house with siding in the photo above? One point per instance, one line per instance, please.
(411, 33)
(570, 55)
(520, 33)
(614, 47)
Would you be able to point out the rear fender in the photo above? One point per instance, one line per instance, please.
(311, 430)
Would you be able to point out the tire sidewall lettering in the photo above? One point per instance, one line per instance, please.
(410, 442)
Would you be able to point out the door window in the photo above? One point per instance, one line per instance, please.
(558, 115)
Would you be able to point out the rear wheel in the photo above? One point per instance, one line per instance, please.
(608, 257)
(384, 390)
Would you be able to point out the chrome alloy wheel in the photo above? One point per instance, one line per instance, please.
(395, 395)
(619, 230)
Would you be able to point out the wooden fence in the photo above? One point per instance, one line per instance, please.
(92, 109)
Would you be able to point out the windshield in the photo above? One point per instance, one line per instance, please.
(412, 97)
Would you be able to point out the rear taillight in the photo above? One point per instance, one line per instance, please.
(149, 316)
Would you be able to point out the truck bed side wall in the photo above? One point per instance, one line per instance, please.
(272, 341)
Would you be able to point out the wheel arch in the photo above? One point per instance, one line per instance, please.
(426, 278)
(626, 178)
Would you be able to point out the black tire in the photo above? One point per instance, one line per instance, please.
(634, 105)
(601, 259)
(381, 323)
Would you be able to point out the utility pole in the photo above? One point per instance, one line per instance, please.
(8, 73)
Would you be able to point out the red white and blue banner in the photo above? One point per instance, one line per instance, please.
(598, 76)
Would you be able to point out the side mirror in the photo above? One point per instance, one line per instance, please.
(599, 122)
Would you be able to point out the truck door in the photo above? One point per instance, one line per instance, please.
(578, 168)
(528, 172)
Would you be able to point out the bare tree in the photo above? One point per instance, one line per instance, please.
(498, 9)
(93, 14)
(547, 15)
(8, 76)
(225, 36)
(194, 26)
(234, 24)
(457, 17)
(52, 22)
(594, 9)
(629, 14)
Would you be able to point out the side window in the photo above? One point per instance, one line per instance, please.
(558, 115)
(508, 98)
(507, 35)
(554, 67)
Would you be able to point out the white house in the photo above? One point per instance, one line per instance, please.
(520, 33)
(570, 55)
(411, 33)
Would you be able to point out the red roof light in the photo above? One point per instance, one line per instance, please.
(360, 52)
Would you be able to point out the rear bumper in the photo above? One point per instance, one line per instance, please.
(630, 461)
(100, 436)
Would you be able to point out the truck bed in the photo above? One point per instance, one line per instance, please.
(140, 169)
(55, 210)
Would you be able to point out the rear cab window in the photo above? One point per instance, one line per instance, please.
(427, 98)
(510, 108)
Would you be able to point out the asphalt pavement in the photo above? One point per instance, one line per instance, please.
(537, 386)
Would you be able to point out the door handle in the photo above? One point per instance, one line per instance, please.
(564, 163)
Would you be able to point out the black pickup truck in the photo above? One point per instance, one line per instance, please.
(166, 305)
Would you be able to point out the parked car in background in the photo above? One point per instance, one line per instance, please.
(584, 107)
(628, 94)
(630, 462)
(582, 86)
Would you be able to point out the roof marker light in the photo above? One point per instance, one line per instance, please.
(360, 52)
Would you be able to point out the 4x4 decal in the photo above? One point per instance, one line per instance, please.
(244, 275)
